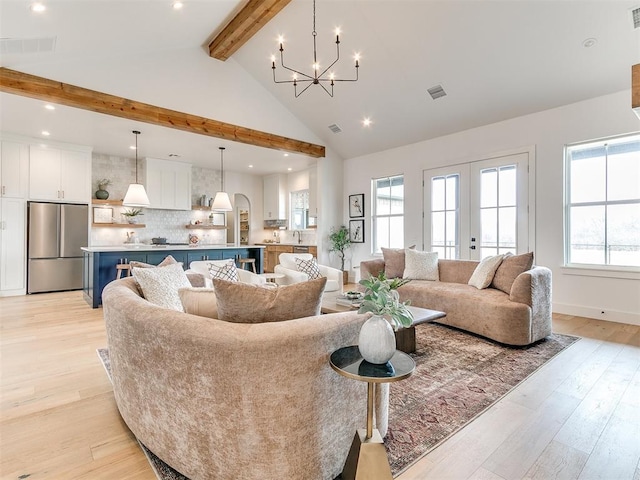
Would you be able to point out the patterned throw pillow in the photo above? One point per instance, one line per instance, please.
(227, 272)
(310, 267)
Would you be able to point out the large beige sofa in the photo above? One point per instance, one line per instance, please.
(519, 318)
(220, 400)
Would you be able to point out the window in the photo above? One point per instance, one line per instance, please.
(445, 215)
(498, 211)
(300, 210)
(603, 202)
(388, 213)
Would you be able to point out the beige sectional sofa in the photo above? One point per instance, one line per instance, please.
(222, 400)
(519, 317)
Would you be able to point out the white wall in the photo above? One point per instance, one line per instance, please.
(548, 132)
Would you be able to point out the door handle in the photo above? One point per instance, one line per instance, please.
(472, 247)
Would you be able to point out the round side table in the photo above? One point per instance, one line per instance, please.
(367, 459)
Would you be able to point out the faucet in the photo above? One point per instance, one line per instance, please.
(299, 235)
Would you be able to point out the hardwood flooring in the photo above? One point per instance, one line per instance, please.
(578, 417)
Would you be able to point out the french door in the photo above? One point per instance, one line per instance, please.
(478, 209)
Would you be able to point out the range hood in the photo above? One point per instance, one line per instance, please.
(635, 89)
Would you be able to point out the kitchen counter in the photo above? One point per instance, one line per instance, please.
(287, 244)
(99, 263)
(130, 247)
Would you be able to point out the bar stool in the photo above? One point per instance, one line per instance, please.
(244, 261)
(123, 267)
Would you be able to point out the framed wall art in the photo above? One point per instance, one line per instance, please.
(102, 215)
(356, 231)
(356, 205)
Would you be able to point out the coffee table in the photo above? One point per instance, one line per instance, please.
(367, 459)
(272, 277)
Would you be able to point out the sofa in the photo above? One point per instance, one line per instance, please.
(289, 269)
(520, 317)
(222, 400)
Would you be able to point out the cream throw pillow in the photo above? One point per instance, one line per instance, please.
(168, 260)
(199, 301)
(248, 303)
(420, 265)
(160, 285)
(483, 274)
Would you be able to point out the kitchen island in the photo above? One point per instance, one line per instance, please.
(99, 263)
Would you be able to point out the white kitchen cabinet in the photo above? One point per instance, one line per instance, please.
(313, 192)
(13, 259)
(168, 184)
(59, 175)
(14, 166)
(275, 197)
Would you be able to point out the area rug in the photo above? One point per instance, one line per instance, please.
(458, 376)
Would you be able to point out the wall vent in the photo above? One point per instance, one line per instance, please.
(437, 92)
(17, 46)
(635, 17)
(335, 128)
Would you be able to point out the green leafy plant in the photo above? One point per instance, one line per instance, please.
(381, 298)
(340, 242)
(103, 182)
(132, 212)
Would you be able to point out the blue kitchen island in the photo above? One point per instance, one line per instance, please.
(99, 263)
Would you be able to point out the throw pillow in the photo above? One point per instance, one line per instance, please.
(199, 301)
(420, 265)
(394, 261)
(160, 285)
(168, 260)
(484, 272)
(509, 269)
(310, 267)
(248, 303)
(226, 271)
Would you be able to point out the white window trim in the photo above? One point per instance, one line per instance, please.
(374, 212)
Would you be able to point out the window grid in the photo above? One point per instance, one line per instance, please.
(388, 213)
(495, 240)
(602, 210)
(442, 210)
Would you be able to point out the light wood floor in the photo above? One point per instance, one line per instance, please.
(577, 417)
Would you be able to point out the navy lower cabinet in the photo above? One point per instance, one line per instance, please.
(99, 268)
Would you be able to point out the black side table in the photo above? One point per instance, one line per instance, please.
(367, 459)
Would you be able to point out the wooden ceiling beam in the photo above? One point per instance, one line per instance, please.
(255, 15)
(40, 88)
(635, 86)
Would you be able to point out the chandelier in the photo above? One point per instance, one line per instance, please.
(318, 77)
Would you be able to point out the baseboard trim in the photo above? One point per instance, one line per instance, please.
(590, 312)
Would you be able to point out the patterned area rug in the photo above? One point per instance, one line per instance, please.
(458, 376)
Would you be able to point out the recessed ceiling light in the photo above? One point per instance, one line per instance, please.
(366, 122)
(45, 133)
(132, 147)
(38, 7)
(589, 42)
(177, 5)
(49, 107)
(250, 166)
(286, 154)
(289, 169)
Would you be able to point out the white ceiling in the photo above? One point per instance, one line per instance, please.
(495, 59)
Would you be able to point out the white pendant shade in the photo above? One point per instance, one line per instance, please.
(222, 202)
(137, 196)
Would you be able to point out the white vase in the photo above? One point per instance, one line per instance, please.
(377, 342)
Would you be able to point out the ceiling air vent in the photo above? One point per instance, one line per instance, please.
(13, 46)
(335, 128)
(436, 92)
(635, 17)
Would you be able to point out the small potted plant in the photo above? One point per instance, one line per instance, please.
(131, 214)
(101, 193)
(377, 341)
(340, 242)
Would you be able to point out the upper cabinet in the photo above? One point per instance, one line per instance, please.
(59, 175)
(168, 184)
(14, 167)
(275, 197)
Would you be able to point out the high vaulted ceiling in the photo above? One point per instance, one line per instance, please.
(495, 60)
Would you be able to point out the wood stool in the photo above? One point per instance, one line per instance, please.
(123, 267)
(244, 261)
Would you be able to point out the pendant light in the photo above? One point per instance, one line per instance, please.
(136, 195)
(221, 201)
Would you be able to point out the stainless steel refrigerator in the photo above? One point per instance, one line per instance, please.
(56, 231)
